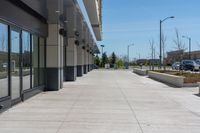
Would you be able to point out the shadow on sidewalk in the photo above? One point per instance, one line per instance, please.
(197, 95)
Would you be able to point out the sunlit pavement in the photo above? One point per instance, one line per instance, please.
(107, 102)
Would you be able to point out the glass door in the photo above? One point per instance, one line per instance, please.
(4, 92)
(26, 60)
(15, 65)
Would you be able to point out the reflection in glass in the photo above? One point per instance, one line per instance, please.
(26, 75)
(42, 61)
(35, 62)
(15, 64)
(3, 60)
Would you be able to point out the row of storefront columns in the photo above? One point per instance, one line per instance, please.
(55, 46)
(69, 54)
(44, 43)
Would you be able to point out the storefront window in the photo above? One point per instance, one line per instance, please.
(15, 63)
(35, 61)
(26, 51)
(42, 61)
(3, 60)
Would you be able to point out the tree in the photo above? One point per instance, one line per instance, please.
(97, 60)
(104, 59)
(152, 47)
(120, 63)
(113, 59)
(179, 45)
(3, 47)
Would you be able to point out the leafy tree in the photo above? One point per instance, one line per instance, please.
(97, 60)
(104, 59)
(113, 59)
(120, 63)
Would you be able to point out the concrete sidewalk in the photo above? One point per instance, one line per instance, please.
(107, 102)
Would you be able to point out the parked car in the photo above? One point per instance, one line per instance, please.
(176, 66)
(198, 61)
(189, 65)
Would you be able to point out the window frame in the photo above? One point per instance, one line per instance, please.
(8, 57)
(30, 35)
(11, 25)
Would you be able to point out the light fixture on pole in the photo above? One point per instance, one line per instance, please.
(161, 21)
(190, 40)
(102, 46)
(128, 48)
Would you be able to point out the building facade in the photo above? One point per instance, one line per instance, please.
(147, 61)
(174, 56)
(44, 43)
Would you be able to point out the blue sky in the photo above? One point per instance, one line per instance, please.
(137, 21)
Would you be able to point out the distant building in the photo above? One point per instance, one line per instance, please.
(174, 56)
(147, 61)
(142, 61)
(154, 61)
(179, 55)
(194, 55)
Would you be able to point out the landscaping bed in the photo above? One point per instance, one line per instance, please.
(170, 79)
(189, 76)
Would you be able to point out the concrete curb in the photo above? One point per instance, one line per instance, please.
(142, 72)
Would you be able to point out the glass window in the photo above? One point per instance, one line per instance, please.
(35, 61)
(26, 59)
(3, 60)
(42, 61)
(15, 63)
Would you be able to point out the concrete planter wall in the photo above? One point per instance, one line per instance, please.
(177, 81)
(190, 85)
(138, 71)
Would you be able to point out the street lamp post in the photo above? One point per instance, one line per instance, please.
(161, 21)
(128, 48)
(102, 46)
(190, 40)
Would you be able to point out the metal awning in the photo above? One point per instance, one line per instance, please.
(96, 49)
(93, 8)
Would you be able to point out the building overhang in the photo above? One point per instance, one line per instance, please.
(93, 8)
(96, 49)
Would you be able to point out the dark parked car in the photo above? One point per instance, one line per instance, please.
(176, 65)
(189, 65)
(198, 61)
